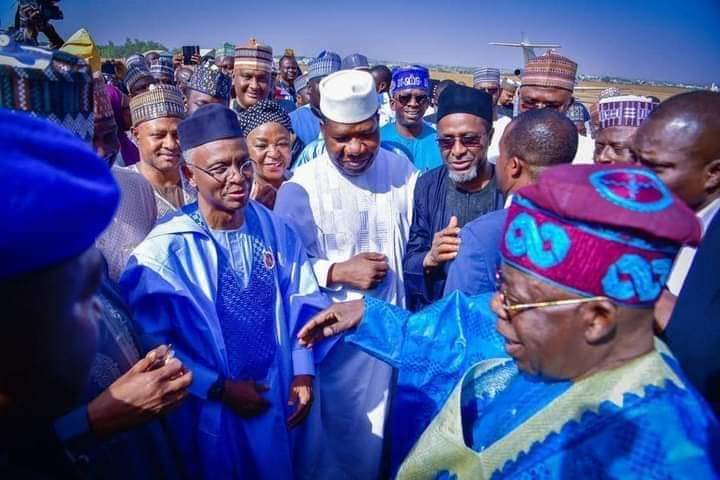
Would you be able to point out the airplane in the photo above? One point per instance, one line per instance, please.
(528, 48)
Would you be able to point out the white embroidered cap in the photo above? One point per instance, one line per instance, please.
(348, 96)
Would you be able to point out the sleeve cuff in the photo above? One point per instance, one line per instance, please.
(73, 425)
(322, 267)
(303, 362)
(202, 377)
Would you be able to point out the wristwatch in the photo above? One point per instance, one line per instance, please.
(217, 389)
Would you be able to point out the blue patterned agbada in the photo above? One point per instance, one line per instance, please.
(230, 303)
(482, 418)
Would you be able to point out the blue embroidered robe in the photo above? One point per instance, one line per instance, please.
(456, 384)
(178, 287)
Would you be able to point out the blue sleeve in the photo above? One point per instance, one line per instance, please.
(154, 306)
(381, 332)
(473, 271)
(73, 425)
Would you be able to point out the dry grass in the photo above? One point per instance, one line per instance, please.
(586, 96)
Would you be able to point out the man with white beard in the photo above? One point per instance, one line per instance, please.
(448, 197)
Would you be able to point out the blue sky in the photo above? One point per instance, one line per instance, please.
(655, 39)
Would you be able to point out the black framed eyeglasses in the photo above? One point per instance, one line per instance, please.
(467, 141)
(405, 98)
(222, 173)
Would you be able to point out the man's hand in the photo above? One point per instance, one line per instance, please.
(339, 318)
(364, 271)
(244, 397)
(445, 245)
(154, 385)
(301, 395)
(195, 59)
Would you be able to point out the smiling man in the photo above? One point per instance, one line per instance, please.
(410, 92)
(619, 118)
(566, 378)
(352, 207)
(450, 196)
(156, 114)
(223, 281)
(252, 74)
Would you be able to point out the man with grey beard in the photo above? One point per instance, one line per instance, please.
(448, 197)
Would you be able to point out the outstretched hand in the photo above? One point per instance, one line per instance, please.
(338, 318)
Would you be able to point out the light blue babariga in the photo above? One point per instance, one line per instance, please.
(532, 239)
(638, 180)
(646, 278)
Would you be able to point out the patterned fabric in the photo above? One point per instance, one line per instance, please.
(625, 219)
(610, 92)
(135, 217)
(300, 83)
(244, 312)
(509, 84)
(210, 80)
(325, 64)
(47, 84)
(136, 59)
(408, 78)
(486, 77)
(577, 112)
(254, 56)
(624, 111)
(102, 109)
(550, 70)
(136, 71)
(354, 62)
(639, 420)
(163, 69)
(159, 101)
(264, 111)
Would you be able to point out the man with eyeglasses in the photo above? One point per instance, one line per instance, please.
(566, 377)
(548, 81)
(619, 117)
(352, 207)
(532, 142)
(225, 281)
(450, 196)
(409, 133)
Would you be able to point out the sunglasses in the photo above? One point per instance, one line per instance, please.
(467, 141)
(404, 98)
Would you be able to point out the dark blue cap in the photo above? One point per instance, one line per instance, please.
(208, 124)
(461, 99)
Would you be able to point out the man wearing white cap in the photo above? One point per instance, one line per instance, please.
(352, 208)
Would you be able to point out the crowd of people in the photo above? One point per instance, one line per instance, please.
(226, 267)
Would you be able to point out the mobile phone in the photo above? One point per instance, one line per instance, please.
(188, 52)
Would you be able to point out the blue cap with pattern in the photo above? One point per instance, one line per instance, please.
(325, 64)
(210, 80)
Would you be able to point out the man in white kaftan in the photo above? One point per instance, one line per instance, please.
(352, 208)
(225, 281)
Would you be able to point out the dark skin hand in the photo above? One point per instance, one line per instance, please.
(244, 397)
(338, 318)
(364, 271)
(153, 386)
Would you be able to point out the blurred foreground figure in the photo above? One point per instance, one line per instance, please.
(48, 280)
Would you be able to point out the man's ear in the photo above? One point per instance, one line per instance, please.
(712, 172)
(134, 131)
(189, 173)
(599, 320)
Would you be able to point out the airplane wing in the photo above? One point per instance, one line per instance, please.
(505, 44)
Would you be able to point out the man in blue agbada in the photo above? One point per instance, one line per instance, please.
(566, 380)
(225, 281)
